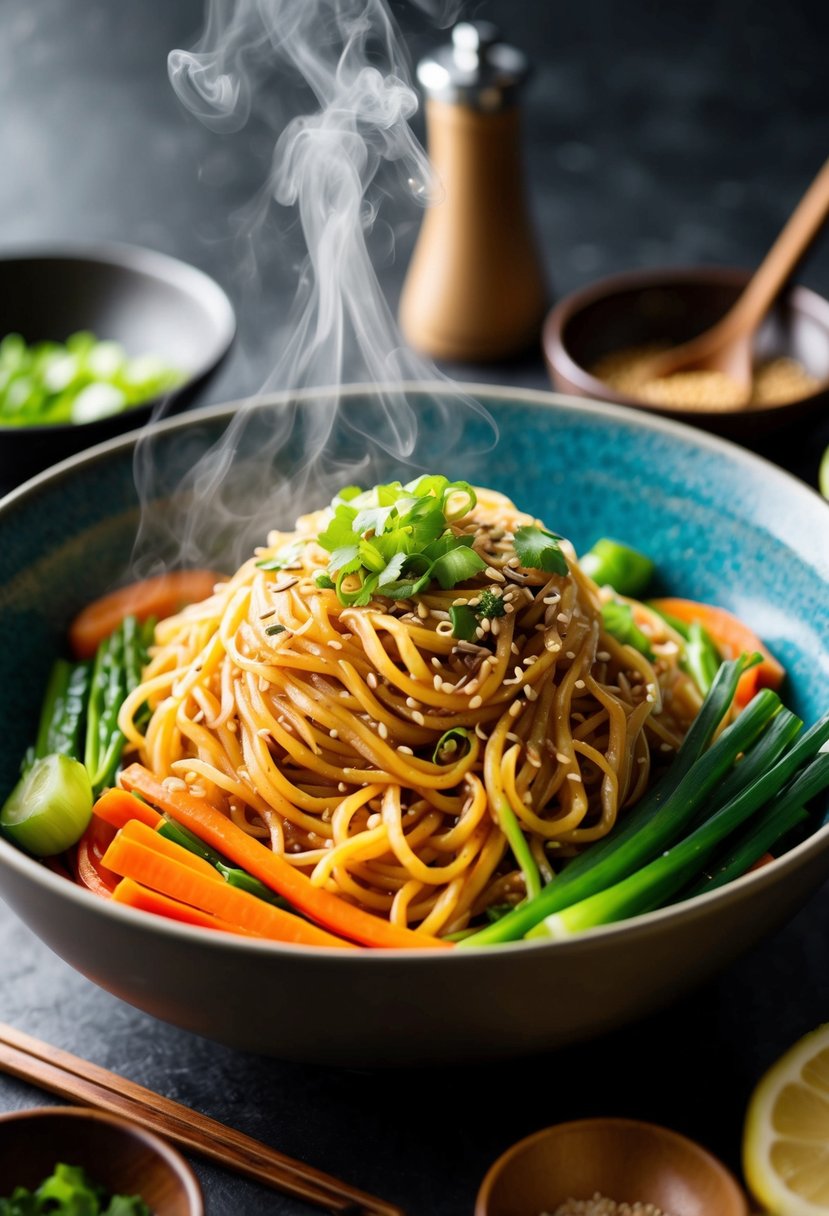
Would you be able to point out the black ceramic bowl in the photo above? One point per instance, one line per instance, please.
(150, 303)
(672, 305)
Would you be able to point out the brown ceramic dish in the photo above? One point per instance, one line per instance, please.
(618, 1158)
(115, 1153)
(672, 306)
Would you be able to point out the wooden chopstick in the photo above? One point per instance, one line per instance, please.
(72, 1077)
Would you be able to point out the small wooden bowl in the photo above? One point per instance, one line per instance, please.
(116, 1153)
(670, 306)
(618, 1158)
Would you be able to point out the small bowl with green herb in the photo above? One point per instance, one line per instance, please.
(96, 340)
(70, 1160)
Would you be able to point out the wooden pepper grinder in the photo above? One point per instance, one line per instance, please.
(474, 290)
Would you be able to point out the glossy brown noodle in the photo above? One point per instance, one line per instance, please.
(321, 736)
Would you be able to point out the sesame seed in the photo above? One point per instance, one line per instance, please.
(334, 733)
(492, 573)
(476, 702)
(407, 751)
(422, 611)
(603, 656)
(530, 693)
(412, 704)
(418, 717)
(342, 788)
(371, 680)
(573, 777)
(562, 759)
(382, 730)
(579, 684)
(334, 644)
(515, 709)
(374, 820)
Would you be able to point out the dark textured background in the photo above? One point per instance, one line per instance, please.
(654, 134)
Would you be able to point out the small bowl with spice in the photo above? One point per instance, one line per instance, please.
(91, 1162)
(599, 341)
(609, 1167)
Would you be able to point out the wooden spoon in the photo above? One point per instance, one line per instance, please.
(727, 346)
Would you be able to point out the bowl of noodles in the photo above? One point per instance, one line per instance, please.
(419, 777)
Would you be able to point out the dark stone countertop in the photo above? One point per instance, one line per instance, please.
(655, 134)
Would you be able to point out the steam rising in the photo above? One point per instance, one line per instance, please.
(335, 159)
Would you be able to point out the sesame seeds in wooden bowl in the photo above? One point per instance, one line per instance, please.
(608, 1167)
(596, 339)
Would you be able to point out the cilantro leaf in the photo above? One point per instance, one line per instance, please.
(456, 566)
(539, 549)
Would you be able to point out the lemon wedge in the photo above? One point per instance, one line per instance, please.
(786, 1137)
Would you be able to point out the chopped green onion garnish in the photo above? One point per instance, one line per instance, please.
(49, 808)
(395, 540)
(451, 745)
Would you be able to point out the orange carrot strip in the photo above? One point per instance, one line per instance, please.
(732, 638)
(90, 871)
(765, 860)
(160, 597)
(148, 866)
(135, 830)
(135, 896)
(274, 871)
(117, 807)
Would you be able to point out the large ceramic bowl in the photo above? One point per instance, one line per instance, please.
(722, 525)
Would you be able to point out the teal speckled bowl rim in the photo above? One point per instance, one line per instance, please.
(636, 928)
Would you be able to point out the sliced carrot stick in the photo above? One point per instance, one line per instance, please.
(274, 871)
(732, 638)
(153, 869)
(117, 807)
(135, 830)
(90, 870)
(135, 896)
(765, 860)
(160, 597)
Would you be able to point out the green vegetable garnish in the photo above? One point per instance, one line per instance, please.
(81, 381)
(539, 549)
(666, 874)
(68, 1191)
(49, 808)
(694, 779)
(273, 630)
(451, 745)
(115, 672)
(466, 619)
(465, 622)
(619, 623)
(396, 540)
(520, 846)
(612, 564)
